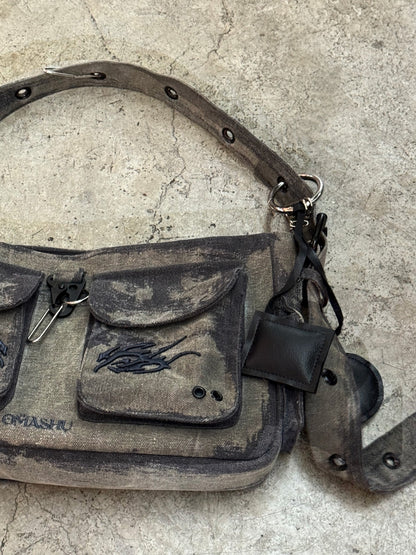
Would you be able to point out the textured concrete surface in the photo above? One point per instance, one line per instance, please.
(328, 84)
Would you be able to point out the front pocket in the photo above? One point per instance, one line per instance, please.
(18, 287)
(165, 345)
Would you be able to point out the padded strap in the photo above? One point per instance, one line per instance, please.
(266, 164)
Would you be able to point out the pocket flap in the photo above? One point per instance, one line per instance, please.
(17, 285)
(177, 360)
(157, 296)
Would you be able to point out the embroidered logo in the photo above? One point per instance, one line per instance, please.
(37, 422)
(3, 353)
(139, 358)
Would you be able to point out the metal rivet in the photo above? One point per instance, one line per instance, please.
(198, 392)
(171, 93)
(23, 93)
(228, 135)
(338, 462)
(391, 461)
(329, 377)
(216, 395)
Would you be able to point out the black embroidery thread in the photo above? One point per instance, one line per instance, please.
(138, 358)
(37, 422)
(3, 351)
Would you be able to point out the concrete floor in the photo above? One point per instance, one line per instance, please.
(329, 84)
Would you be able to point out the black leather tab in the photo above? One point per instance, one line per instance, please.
(286, 352)
(369, 385)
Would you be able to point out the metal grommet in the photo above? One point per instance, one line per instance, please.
(338, 462)
(23, 93)
(391, 461)
(171, 93)
(329, 377)
(228, 135)
(98, 75)
(198, 392)
(216, 395)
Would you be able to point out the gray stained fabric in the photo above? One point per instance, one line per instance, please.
(54, 374)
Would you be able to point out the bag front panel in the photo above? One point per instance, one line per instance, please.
(44, 412)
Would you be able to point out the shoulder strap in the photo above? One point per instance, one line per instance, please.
(334, 423)
(265, 163)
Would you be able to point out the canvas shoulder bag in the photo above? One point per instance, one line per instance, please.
(190, 364)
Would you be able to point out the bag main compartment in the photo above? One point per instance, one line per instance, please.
(43, 414)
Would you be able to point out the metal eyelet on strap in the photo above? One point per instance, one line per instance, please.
(391, 461)
(307, 202)
(338, 462)
(23, 93)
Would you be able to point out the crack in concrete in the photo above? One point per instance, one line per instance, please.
(228, 22)
(100, 34)
(175, 60)
(176, 146)
(73, 548)
(155, 230)
(11, 521)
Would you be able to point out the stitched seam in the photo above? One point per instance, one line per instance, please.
(276, 375)
(98, 315)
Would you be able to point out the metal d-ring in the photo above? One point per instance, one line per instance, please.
(307, 202)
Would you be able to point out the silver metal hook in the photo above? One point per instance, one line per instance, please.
(79, 301)
(291, 308)
(57, 72)
(54, 317)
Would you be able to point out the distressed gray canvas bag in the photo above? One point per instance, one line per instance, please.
(189, 364)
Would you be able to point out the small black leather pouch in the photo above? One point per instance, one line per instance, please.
(286, 352)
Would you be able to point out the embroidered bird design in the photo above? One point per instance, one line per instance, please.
(3, 351)
(139, 358)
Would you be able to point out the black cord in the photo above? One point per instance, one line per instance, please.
(306, 256)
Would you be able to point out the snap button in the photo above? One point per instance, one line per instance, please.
(338, 462)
